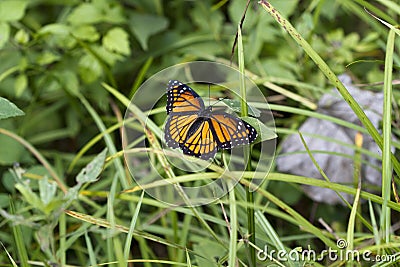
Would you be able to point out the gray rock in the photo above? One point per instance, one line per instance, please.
(338, 162)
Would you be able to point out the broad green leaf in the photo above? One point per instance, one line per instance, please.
(85, 13)
(235, 105)
(30, 196)
(111, 10)
(93, 169)
(86, 32)
(47, 190)
(21, 37)
(116, 40)
(20, 84)
(69, 81)
(145, 25)
(4, 33)
(8, 109)
(54, 28)
(89, 68)
(15, 151)
(46, 58)
(264, 132)
(12, 10)
(5, 200)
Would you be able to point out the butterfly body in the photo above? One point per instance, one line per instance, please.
(198, 130)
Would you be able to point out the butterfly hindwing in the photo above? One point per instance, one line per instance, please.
(231, 131)
(177, 128)
(200, 141)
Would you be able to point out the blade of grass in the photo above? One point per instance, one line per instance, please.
(386, 125)
(19, 239)
(14, 264)
(331, 76)
(62, 251)
(184, 232)
(374, 224)
(112, 240)
(351, 224)
(92, 255)
(128, 240)
(234, 228)
(140, 76)
(247, 152)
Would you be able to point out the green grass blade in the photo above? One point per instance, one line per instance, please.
(386, 151)
(141, 76)
(92, 255)
(374, 224)
(14, 264)
(62, 251)
(247, 154)
(19, 240)
(233, 231)
(351, 224)
(128, 240)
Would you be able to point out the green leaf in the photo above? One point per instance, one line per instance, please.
(15, 151)
(264, 132)
(93, 169)
(85, 13)
(12, 10)
(89, 68)
(4, 33)
(47, 190)
(116, 40)
(86, 33)
(144, 25)
(30, 196)
(21, 37)
(235, 105)
(46, 58)
(69, 81)
(8, 109)
(54, 28)
(20, 84)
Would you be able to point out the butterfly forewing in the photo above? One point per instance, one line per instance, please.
(182, 98)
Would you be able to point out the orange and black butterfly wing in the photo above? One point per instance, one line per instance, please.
(200, 141)
(182, 99)
(183, 107)
(177, 128)
(230, 131)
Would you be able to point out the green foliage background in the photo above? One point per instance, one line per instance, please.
(55, 55)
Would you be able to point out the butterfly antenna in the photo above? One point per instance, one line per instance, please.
(209, 95)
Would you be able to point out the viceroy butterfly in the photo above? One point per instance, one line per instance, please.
(198, 130)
